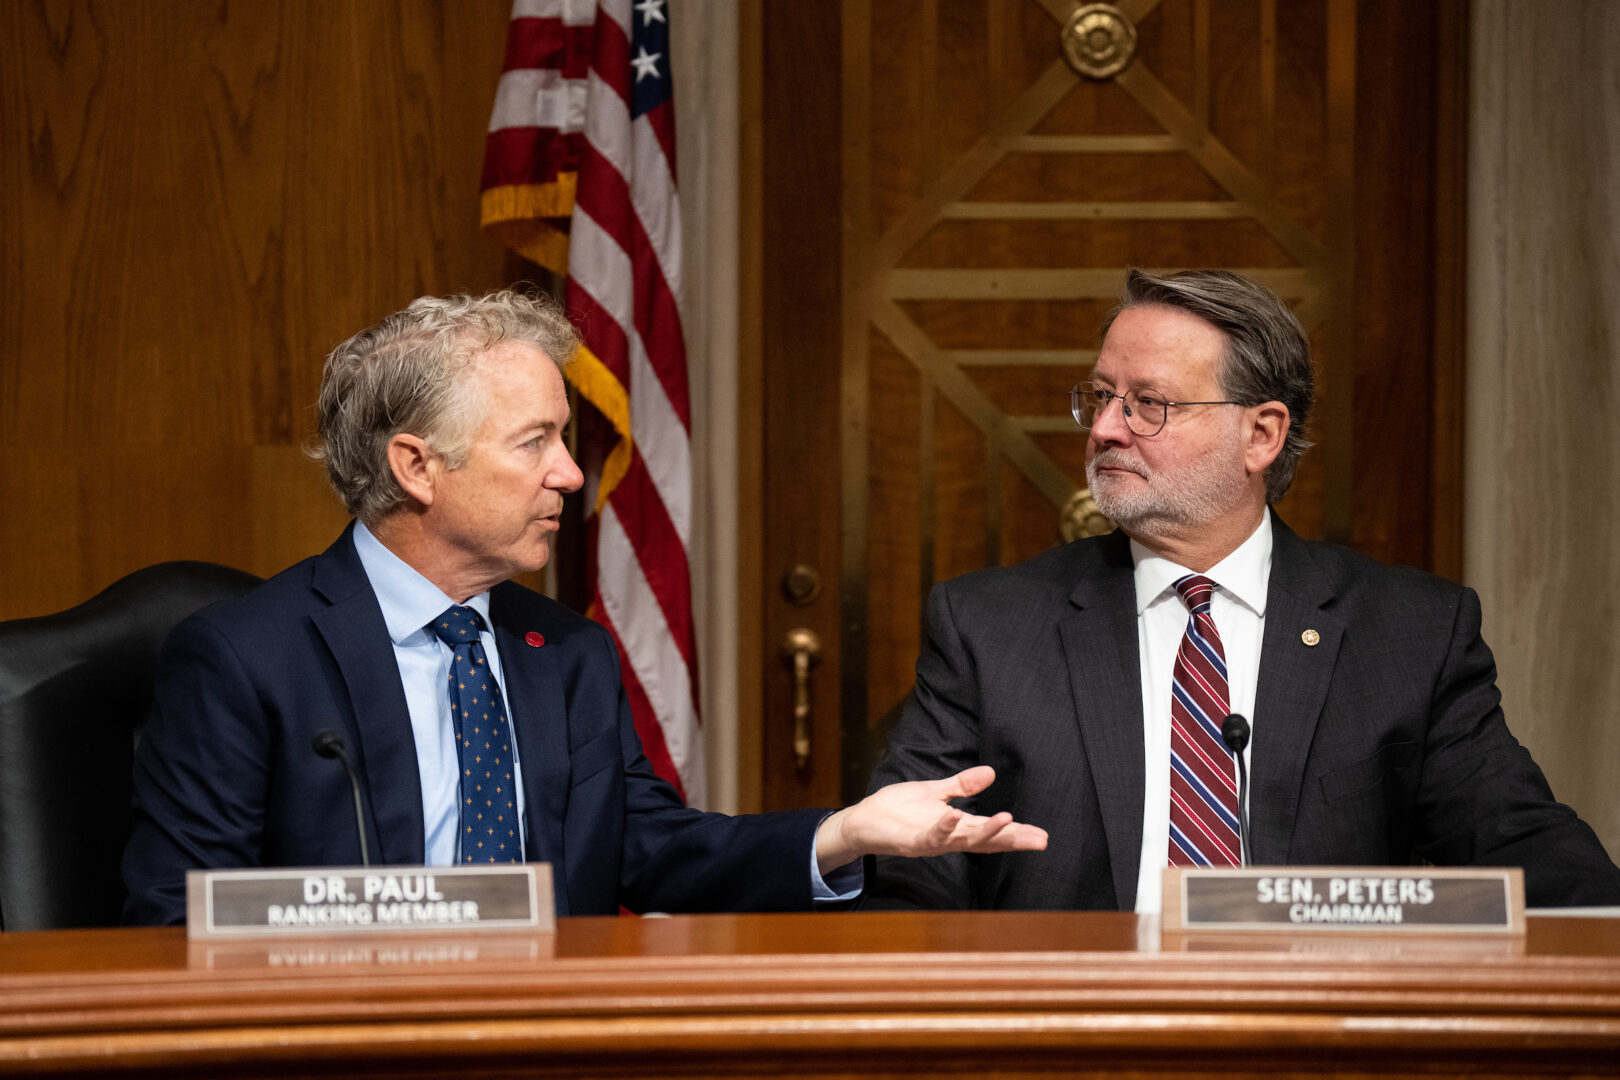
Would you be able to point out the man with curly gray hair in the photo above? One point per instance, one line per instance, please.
(490, 723)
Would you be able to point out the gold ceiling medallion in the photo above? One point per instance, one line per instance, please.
(1099, 42)
(1080, 518)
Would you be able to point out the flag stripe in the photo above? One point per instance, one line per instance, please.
(660, 554)
(583, 127)
(660, 122)
(634, 153)
(630, 293)
(547, 42)
(514, 156)
(611, 59)
(532, 97)
(662, 441)
(650, 734)
(628, 601)
(598, 327)
(640, 219)
(571, 12)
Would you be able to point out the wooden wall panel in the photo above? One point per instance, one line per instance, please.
(1544, 385)
(197, 201)
(799, 215)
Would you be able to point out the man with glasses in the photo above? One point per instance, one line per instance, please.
(1096, 677)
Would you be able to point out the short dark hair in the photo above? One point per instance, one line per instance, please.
(1267, 357)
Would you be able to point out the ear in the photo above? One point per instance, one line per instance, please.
(415, 466)
(1268, 427)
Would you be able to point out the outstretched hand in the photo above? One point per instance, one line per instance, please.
(914, 819)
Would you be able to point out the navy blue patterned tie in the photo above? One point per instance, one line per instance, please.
(489, 823)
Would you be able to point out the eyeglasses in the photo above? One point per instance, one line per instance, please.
(1145, 410)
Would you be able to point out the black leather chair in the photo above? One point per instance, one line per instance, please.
(75, 692)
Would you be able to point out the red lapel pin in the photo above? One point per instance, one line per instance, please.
(534, 638)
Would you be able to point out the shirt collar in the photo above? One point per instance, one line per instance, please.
(1244, 574)
(409, 601)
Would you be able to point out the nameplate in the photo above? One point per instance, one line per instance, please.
(347, 900)
(1382, 899)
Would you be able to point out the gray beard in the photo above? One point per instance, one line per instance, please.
(1193, 498)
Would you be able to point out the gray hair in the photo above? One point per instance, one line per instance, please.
(1266, 358)
(407, 375)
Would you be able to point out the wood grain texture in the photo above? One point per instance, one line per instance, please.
(800, 250)
(1543, 421)
(199, 201)
(901, 994)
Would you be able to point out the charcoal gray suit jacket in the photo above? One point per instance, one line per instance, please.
(1381, 744)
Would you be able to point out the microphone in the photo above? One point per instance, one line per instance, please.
(1235, 733)
(328, 743)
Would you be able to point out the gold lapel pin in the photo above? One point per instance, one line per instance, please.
(1310, 637)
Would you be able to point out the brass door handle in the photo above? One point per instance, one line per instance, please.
(801, 650)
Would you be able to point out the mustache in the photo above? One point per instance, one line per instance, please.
(1116, 459)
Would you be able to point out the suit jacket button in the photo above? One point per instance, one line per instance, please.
(1310, 637)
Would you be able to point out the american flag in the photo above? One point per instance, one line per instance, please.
(579, 176)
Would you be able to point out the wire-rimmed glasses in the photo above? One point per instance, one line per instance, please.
(1146, 410)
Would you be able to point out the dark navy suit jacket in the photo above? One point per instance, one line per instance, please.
(225, 776)
(1380, 741)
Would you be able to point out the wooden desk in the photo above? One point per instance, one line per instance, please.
(815, 995)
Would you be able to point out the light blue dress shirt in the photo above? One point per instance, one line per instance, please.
(409, 602)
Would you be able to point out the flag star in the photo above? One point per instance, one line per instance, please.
(644, 64)
(652, 11)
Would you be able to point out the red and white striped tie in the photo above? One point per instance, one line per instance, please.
(1203, 784)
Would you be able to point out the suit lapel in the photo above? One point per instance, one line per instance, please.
(534, 694)
(1100, 646)
(354, 631)
(1291, 691)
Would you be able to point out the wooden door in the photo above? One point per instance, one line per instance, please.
(943, 212)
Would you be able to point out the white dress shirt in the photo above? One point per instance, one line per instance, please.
(1238, 608)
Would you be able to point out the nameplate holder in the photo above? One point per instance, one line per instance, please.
(1314, 899)
(237, 904)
